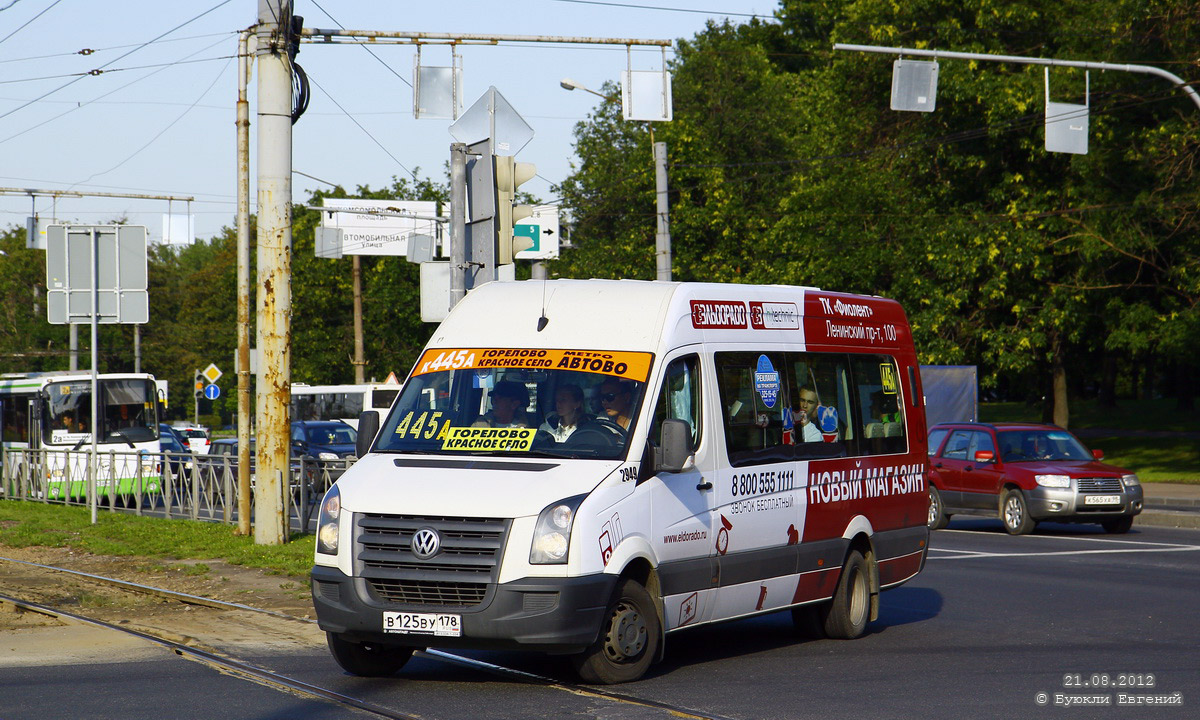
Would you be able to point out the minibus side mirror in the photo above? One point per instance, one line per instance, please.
(368, 427)
(676, 448)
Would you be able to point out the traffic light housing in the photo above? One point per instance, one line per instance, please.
(510, 175)
(199, 384)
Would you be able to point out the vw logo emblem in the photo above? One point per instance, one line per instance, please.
(426, 543)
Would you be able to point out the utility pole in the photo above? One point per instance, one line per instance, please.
(274, 268)
(245, 38)
(358, 362)
(662, 237)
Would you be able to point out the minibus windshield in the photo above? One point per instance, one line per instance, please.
(518, 402)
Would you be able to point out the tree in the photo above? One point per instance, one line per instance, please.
(788, 165)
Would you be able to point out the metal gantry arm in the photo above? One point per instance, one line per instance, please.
(1022, 60)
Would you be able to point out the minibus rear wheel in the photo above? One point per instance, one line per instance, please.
(367, 659)
(846, 616)
(628, 641)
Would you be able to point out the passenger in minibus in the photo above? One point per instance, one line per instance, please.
(568, 415)
(616, 396)
(806, 416)
(509, 400)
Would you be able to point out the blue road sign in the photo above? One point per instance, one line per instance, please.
(212, 392)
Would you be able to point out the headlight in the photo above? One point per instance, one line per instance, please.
(329, 522)
(1130, 480)
(552, 534)
(1054, 481)
(327, 456)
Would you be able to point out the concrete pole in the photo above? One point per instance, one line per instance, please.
(137, 348)
(73, 347)
(274, 270)
(359, 362)
(662, 238)
(245, 38)
(458, 223)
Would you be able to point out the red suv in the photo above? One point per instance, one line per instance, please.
(1025, 473)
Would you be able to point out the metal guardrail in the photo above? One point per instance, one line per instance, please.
(171, 485)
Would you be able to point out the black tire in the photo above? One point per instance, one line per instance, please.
(1118, 526)
(1014, 513)
(846, 617)
(938, 518)
(629, 638)
(367, 659)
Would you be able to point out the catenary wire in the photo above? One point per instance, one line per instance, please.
(27, 22)
(160, 133)
(93, 51)
(121, 57)
(361, 127)
(666, 9)
(364, 47)
(111, 92)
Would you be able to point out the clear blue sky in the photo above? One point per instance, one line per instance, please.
(160, 118)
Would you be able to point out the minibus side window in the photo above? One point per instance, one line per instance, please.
(754, 389)
(679, 397)
(877, 385)
(821, 379)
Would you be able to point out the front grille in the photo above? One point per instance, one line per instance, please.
(1104, 485)
(458, 575)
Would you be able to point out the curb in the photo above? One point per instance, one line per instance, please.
(1156, 517)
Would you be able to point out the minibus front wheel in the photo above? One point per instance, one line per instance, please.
(367, 659)
(628, 641)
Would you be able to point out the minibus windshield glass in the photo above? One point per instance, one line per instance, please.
(518, 402)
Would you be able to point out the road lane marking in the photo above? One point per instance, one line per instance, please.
(1111, 551)
(1081, 538)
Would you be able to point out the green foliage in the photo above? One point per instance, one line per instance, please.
(787, 165)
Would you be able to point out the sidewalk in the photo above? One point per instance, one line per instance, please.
(1170, 505)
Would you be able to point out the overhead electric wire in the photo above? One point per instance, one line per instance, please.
(364, 47)
(122, 57)
(27, 22)
(633, 6)
(93, 51)
(120, 69)
(360, 127)
(111, 92)
(160, 133)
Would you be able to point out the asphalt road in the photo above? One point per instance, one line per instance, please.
(995, 626)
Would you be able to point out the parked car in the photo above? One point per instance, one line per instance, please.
(323, 439)
(177, 456)
(1025, 473)
(165, 429)
(197, 438)
(225, 450)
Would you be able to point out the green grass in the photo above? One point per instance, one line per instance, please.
(29, 524)
(1124, 439)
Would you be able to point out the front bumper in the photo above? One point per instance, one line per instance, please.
(558, 615)
(1070, 505)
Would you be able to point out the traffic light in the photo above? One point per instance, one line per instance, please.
(510, 175)
(199, 384)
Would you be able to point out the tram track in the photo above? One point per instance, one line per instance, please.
(196, 649)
